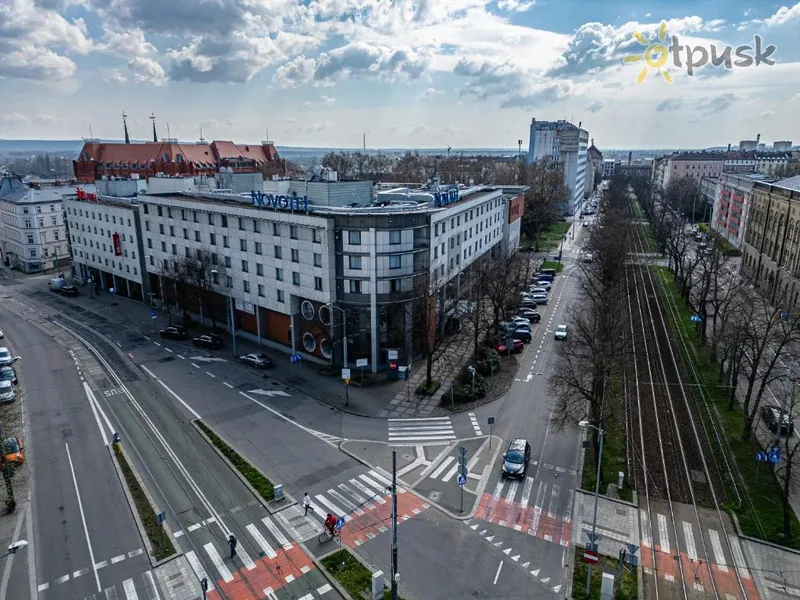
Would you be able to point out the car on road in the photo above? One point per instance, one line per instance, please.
(69, 290)
(772, 415)
(8, 374)
(2, 335)
(13, 451)
(540, 298)
(585, 224)
(174, 332)
(6, 359)
(258, 361)
(516, 346)
(208, 340)
(587, 258)
(7, 392)
(516, 459)
(561, 332)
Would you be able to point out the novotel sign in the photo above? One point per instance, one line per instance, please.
(280, 202)
(446, 197)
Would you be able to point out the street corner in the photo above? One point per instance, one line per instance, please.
(379, 454)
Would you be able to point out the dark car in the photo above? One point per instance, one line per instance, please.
(522, 334)
(772, 415)
(259, 361)
(208, 340)
(516, 458)
(8, 374)
(174, 332)
(69, 290)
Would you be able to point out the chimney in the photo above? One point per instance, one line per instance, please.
(729, 147)
(153, 119)
(592, 141)
(758, 138)
(630, 155)
(125, 125)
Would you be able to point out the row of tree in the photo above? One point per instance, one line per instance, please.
(46, 166)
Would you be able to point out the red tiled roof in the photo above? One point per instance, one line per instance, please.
(201, 154)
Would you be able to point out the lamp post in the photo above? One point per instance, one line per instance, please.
(214, 272)
(600, 431)
(344, 330)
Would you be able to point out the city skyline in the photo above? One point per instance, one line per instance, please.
(471, 74)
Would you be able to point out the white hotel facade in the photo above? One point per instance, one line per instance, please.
(294, 275)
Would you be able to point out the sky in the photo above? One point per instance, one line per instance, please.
(407, 73)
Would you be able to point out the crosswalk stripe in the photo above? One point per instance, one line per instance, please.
(537, 507)
(151, 589)
(277, 533)
(387, 482)
(198, 569)
(380, 488)
(568, 509)
(370, 494)
(555, 490)
(245, 557)
(512, 491)
(451, 473)
(324, 589)
(270, 593)
(356, 496)
(688, 535)
(647, 540)
(130, 589)
(498, 489)
(442, 466)
(216, 560)
(261, 541)
(111, 593)
(421, 420)
(526, 492)
(330, 505)
(350, 506)
(663, 533)
(716, 545)
(738, 557)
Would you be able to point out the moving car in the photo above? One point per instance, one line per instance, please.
(258, 361)
(771, 415)
(208, 340)
(561, 332)
(7, 392)
(174, 332)
(516, 459)
(516, 346)
(587, 258)
(2, 335)
(13, 451)
(8, 374)
(5, 357)
(56, 283)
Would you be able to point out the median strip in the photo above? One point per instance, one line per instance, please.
(351, 574)
(254, 477)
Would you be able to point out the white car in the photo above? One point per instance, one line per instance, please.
(7, 393)
(561, 332)
(6, 358)
(2, 335)
(537, 290)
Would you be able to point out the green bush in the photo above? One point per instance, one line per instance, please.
(428, 390)
(464, 391)
(488, 362)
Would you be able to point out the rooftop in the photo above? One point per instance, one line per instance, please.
(792, 183)
(12, 189)
(698, 156)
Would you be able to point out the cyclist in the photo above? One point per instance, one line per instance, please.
(330, 524)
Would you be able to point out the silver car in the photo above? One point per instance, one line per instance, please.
(7, 392)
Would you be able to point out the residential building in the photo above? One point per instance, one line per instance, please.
(739, 162)
(768, 163)
(594, 168)
(609, 168)
(782, 146)
(695, 165)
(635, 169)
(771, 253)
(32, 232)
(709, 189)
(567, 145)
(732, 206)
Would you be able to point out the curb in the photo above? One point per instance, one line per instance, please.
(742, 536)
(386, 581)
(139, 525)
(268, 505)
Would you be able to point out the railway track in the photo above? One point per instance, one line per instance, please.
(674, 463)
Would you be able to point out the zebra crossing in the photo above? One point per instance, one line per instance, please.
(363, 500)
(425, 430)
(538, 508)
(142, 587)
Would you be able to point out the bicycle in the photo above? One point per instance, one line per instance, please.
(326, 535)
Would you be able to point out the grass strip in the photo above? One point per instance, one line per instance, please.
(254, 477)
(353, 576)
(614, 460)
(628, 590)
(552, 264)
(159, 540)
(762, 517)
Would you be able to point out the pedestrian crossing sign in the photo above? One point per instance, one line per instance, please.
(462, 480)
(339, 523)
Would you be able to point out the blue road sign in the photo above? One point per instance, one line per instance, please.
(761, 456)
(784, 315)
(774, 455)
(295, 358)
(339, 522)
(491, 420)
(153, 314)
(462, 480)
(697, 319)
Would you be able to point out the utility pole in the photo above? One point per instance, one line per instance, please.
(394, 524)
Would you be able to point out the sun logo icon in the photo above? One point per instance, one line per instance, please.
(655, 55)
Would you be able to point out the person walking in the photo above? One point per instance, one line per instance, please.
(232, 543)
(306, 504)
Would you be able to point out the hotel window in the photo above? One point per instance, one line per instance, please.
(171, 231)
(241, 224)
(355, 286)
(214, 259)
(152, 260)
(295, 278)
(225, 241)
(256, 226)
(315, 237)
(174, 249)
(317, 260)
(394, 261)
(215, 277)
(258, 247)
(293, 231)
(278, 252)
(224, 220)
(27, 222)
(169, 212)
(144, 208)
(280, 295)
(245, 268)
(394, 237)
(354, 238)
(228, 262)
(194, 216)
(278, 274)
(186, 252)
(185, 233)
(163, 246)
(318, 283)
(243, 245)
(30, 239)
(355, 262)
(259, 269)
(260, 290)
(395, 285)
(246, 286)
(229, 281)
(210, 219)
(147, 225)
(295, 255)
(183, 214)
(54, 220)
(212, 237)
(276, 229)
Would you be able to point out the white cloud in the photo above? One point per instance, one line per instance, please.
(148, 71)
(327, 100)
(595, 106)
(795, 97)
(116, 77)
(14, 117)
(515, 5)
(784, 15)
(35, 62)
(127, 43)
(295, 72)
(430, 93)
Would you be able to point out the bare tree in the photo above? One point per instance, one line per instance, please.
(546, 192)
(196, 278)
(341, 162)
(784, 470)
(504, 278)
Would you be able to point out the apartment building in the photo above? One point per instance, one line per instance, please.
(732, 206)
(771, 253)
(32, 232)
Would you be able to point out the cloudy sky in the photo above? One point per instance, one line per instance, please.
(408, 73)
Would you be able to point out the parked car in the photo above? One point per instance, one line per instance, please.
(528, 303)
(547, 272)
(8, 374)
(69, 290)
(7, 392)
(561, 332)
(540, 298)
(6, 359)
(530, 314)
(587, 258)
(522, 334)
(174, 332)
(537, 290)
(516, 459)
(208, 340)
(545, 284)
(13, 450)
(521, 321)
(516, 346)
(771, 415)
(258, 361)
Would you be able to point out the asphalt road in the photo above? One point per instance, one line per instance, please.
(73, 477)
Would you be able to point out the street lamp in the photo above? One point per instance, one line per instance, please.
(585, 424)
(214, 272)
(344, 330)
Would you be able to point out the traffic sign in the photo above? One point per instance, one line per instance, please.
(153, 314)
(462, 480)
(362, 362)
(761, 456)
(697, 319)
(591, 557)
(295, 358)
(774, 455)
(339, 522)
(346, 374)
(491, 420)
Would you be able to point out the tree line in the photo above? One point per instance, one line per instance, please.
(46, 166)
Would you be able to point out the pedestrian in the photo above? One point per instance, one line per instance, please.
(306, 504)
(232, 543)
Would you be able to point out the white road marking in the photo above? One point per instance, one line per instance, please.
(324, 589)
(118, 558)
(198, 569)
(498, 488)
(647, 540)
(497, 575)
(370, 494)
(738, 557)
(442, 466)
(351, 507)
(168, 350)
(716, 545)
(195, 365)
(225, 383)
(512, 491)
(663, 533)
(61, 579)
(688, 535)
(216, 560)
(195, 414)
(130, 589)
(278, 534)
(211, 375)
(43, 586)
(151, 589)
(83, 519)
